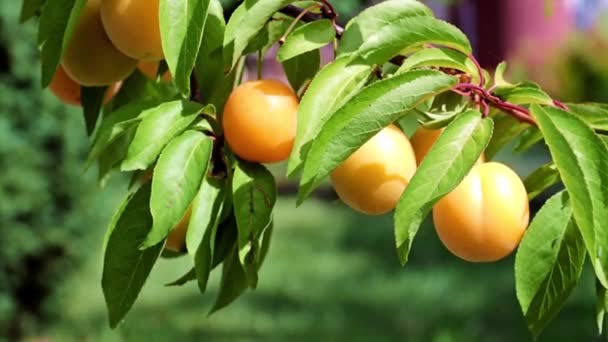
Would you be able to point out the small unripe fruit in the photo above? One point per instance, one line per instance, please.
(134, 27)
(424, 138)
(373, 178)
(176, 240)
(260, 120)
(90, 59)
(150, 70)
(485, 217)
(68, 91)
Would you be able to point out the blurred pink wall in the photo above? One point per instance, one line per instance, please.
(527, 26)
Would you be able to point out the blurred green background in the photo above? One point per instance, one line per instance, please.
(331, 275)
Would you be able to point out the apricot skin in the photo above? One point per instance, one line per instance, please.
(90, 59)
(68, 91)
(423, 139)
(260, 119)
(134, 27)
(373, 178)
(150, 70)
(485, 217)
(176, 240)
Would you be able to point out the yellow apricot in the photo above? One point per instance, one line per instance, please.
(260, 119)
(373, 178)
(90, 59)
(424, 138)
(176, 240)
(485, 217)
(134, 27)
(150, 70)
(68, 91)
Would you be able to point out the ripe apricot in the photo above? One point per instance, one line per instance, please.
(373, 178)
(260, 119)
(423, 139)
(90, 59)
(150, 70)
(68, 91)
(176, 240)
(134, 27)
(485, 217)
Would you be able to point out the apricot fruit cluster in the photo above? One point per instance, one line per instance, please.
(482, 220)
(109, 40)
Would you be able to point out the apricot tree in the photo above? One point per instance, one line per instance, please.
(194, 145)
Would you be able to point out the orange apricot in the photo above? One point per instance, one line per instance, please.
(485, 217)
(176, 240)
(90, 59)
(68, 91)
(134, 27)
(260, 119)
(150, 70)
(424, 138)
(373, 178)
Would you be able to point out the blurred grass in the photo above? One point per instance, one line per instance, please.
(331, 275)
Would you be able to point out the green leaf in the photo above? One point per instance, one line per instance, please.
(499, 75)
(225, 238)
(410, 33)
(447, 163)
(265, 243)
(366, 25)
(439, 111)
(57, 22)
(113, 154)
(580, 156)
(364, 115)
(233, 282)
(302, 68)
(438, 57)
(506, 128)
(206, 209)
(594, 114)
(189, 276)
(182, 23)
(525, 93)
(548, 263)
(92, 101)
(138, 88)
(181, 167)
(215, 86)
(30, 9)
(126, 267)
(203, 228)
(601, 307)
(117, 124)
(529, 138)
(156, 129)
(270, 34)
(306, 38)
(249, 18)
(541, 179)
(254, 194)
(341, 79)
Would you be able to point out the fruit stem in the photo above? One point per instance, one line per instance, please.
(481, 96)
(482, 80)
(300, 16)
